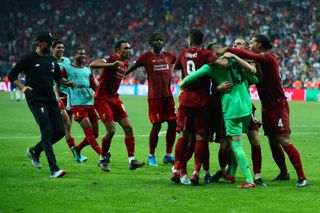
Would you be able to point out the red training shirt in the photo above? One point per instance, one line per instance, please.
(158, 68)
(110, 79)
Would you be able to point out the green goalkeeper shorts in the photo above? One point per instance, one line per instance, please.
(237, 126)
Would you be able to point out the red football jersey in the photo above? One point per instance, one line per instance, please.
(110, 79)
(158, 68)
(197, 93)
(270, 87)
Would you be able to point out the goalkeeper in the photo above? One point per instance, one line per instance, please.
(236, 103)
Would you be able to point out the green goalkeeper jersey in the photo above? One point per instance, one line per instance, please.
(236, 103)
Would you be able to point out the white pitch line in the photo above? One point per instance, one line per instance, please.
(305, 126)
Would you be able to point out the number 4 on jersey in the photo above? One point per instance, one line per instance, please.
(280, 124)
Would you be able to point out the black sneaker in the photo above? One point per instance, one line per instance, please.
(135, 164)
(302, 182)
(282, 177)
(195, 180)
(103, 163)
(260, 182)
(35, 158)
(207, 178)
(216, 177)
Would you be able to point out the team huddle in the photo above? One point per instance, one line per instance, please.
(214, 105)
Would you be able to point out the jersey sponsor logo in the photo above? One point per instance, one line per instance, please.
(42, 109)
(37, 65)
(160, 67)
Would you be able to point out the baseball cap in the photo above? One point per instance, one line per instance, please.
(46, 37)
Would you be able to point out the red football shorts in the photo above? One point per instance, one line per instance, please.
(215, 122)
(161, 109)
(63, 102)
(276, 120)
(254, 124)
(193, 119)
(85, 112)
(110, 109)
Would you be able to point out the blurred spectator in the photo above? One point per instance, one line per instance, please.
(97, 25)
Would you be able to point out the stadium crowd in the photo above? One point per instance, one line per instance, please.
(97, 25)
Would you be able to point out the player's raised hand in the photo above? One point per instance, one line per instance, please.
(26, 89)
(117, 64)
(225, 87)
(70, 84)
(228, 55)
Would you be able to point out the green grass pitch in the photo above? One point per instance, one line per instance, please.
(86, 188)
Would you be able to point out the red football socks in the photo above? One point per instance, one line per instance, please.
(70, 142)
(92, 140)
(256, 158)
(295, 159)
(279, 158)
(82, 144)
(153, 140)
(129, 140)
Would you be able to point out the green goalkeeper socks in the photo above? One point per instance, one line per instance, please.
(242, 160)
(232, 165)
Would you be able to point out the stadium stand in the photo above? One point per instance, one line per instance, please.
(96, 25)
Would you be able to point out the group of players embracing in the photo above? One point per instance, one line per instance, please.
(214, 105)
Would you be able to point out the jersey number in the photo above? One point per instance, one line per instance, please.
(280, 124)
(191, 67)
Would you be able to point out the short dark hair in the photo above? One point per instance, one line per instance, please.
(56, 42)
(155, 36)
(264, 40)
(214, 46)
(118, 44)
(196, 36)
(77, 49)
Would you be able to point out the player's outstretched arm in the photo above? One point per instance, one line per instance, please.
(22, 87)
(203, 71)
(244, 64)
(248, 55)
(102, 63)
(66, 82)
(132, 68)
